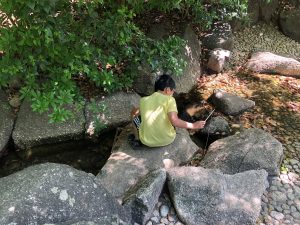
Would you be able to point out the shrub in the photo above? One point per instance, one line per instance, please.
(48, 44)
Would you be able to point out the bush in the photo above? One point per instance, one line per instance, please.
(48, 44)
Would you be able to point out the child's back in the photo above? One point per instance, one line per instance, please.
(156, 129)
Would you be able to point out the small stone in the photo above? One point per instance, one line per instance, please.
(179, 223)
(297, 190)
(278, 196)
(164, 220)
(285, 206)
(164, 210)
(149, 223)
(277, 215)
(273, 188)
(296, 215)
(293, 209)
(294, 161)
(15, 102)
(155, 219)
(171, 218)
(290, 196)
(278, 208)
(293, 176)
(156, 213)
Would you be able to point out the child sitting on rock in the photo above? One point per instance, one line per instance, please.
(156, 118)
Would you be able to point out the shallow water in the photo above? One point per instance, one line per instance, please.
(83, 155)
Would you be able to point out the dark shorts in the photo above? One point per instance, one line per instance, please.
(137, 122)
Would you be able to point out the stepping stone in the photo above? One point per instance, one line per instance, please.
(125, 167)
(251, 149)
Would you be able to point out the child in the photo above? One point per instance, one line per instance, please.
(157, 117)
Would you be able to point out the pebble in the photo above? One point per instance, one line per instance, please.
(164, 210)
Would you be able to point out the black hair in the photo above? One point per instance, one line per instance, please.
(164, 81)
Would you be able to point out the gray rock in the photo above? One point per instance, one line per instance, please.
(56, 194)
(205, 196)
(219, 37)
(142, 198)
(115, 220)
(144, 82)
(217, 59)
(216, 125)
(267, 62)
(289, 21)
(249, 150)
(118, 107)
(126, 166)
(33, 129)
(230, 104)
(6, 122)
(262, 10)
(164, 210)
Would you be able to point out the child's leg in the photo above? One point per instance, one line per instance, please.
(136, 121)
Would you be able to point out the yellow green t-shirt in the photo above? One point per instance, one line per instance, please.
(156, 129)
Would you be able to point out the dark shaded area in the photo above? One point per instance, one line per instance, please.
(83, 155)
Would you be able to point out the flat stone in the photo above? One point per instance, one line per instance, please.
(277, 215)
(278, 196)
(216, 198)
(230, 104)
(117, 112)
(126, 167)
(249, 150)
(33, 129)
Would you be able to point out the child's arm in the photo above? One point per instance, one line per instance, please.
(176, 122)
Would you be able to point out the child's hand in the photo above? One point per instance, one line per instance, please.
(135, 112)
(199, 124)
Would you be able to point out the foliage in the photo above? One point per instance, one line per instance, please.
(48, 44)
(98, 111)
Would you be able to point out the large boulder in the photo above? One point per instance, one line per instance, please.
(6, 122)
(259, 10)
(116, 113)
(56, 194)
(251, 149)
(33, 129)
(230, 104)
(125, 167)
(144, 82)
(220, 36)
(267, 62)
(142, 199)
(289, 22)
(205, 197)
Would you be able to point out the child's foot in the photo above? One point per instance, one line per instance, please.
(134, 143)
